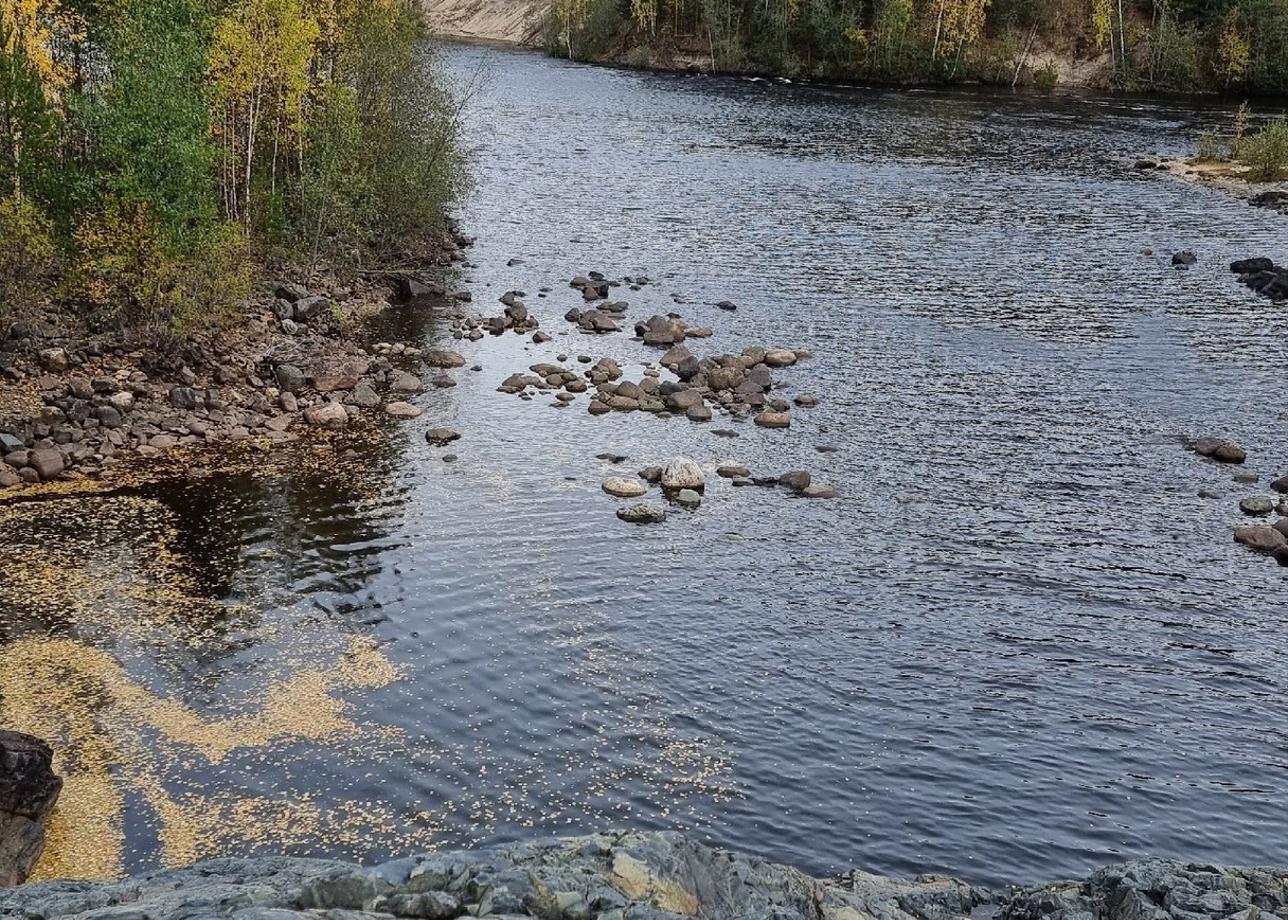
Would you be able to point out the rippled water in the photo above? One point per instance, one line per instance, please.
(1018, 645)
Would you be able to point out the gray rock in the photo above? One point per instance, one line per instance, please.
(328, 415)
(797, 480)
(9, 443)
(289, 378)
(689, 497)
(441, 436)
(624, 488)
(48, 464)
(1257, 505)
(683, 473)
(642, 514)
(402, 410)
(308, 309)
(28, 790)
(732, 471)
(439, 357)
(183, 397)
(364, 396)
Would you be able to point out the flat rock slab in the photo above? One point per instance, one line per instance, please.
(641, 876)
(28, 790)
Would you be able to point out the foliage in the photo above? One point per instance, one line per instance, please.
(157, 144)
(1173, 45)
(1266, 152)
(27, 255)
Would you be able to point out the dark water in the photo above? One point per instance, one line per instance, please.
(1017, 646)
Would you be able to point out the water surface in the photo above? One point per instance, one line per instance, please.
(1017, 646)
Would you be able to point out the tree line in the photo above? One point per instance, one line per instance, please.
(1175, 45)
(152, 152)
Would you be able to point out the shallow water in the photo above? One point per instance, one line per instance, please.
(1017, 646)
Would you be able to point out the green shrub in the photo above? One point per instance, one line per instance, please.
(27, 257)
(1046, 77)
(134, 280)
(1266, 152)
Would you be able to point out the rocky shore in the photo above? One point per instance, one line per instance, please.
(73, 406)
(638, 876)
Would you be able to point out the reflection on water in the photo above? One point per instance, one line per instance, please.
(1018, 645)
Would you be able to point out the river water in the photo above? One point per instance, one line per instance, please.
(1018, 645)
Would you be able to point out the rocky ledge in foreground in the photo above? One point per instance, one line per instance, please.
(637, 876)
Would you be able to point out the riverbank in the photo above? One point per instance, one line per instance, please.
(75, 406)
(644, 876)
(1225, 176)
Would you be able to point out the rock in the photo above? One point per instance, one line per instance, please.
(8, 477)
(1257, 505)
(48, 464)
(183, 398)
(1246, 478)
(682, 400)
(364, 396)
(1185, 258)
(779, 357)
(683, 473)
(642, 514)
(11, 442)
(732, 471)
(651, 474)
(624, 488)
(1280, 484)
(727, 305)
(438, 357)
(1252, 266)
(818, 490)
(402, 410)
(327, 415)
(290, 291)
(441, 436)
(54, 360)
(771, 419)
(641, 876)
(403, 382)
(796, 480)
(122, 402)
(290, 378)
(410, 288)
(598, 408)
(805, 401)
(311, 308)
(28, 790)
(699, 413)
(1261, 539)
(108, 416)
(688, 497)
(1219, 449)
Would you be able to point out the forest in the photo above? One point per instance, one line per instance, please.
(155, 154)
(1164, 45)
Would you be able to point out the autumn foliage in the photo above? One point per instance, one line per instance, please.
(151, 151)
(1174, 45)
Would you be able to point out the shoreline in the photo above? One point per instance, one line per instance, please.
(101, 408)
(618, 875)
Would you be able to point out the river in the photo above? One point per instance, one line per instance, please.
(1017, 645)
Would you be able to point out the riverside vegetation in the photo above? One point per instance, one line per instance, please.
(1171, 45)
(156, 154)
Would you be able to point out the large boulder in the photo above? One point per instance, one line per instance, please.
(683, 473)
(28, 790)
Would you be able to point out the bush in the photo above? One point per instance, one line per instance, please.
(1046, 77)
(132, 279)
(26, 257)
(1266, 152)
